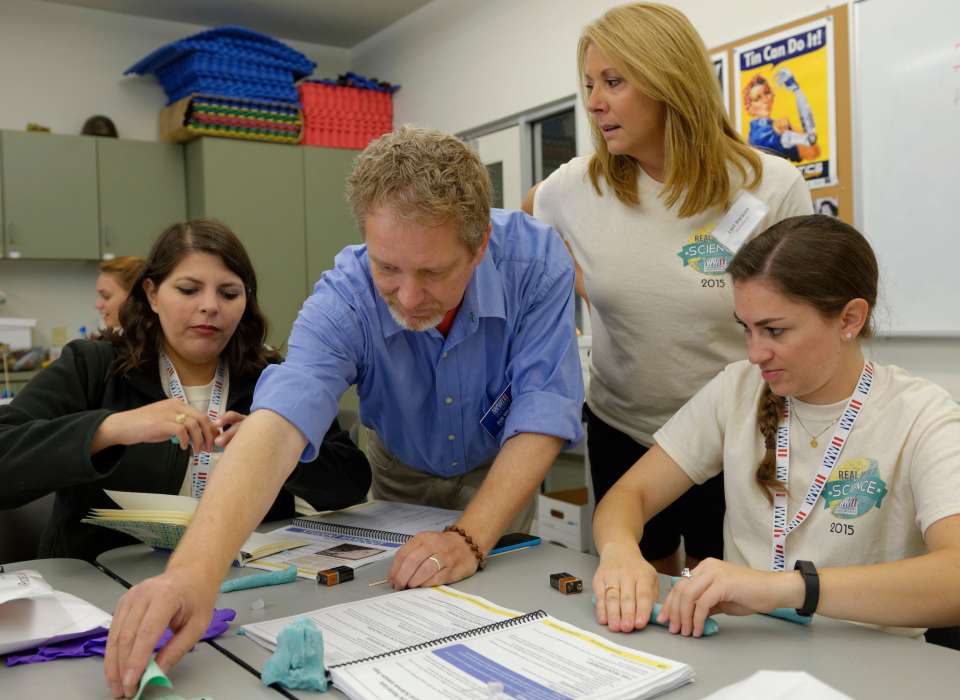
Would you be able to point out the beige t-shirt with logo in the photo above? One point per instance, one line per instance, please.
(661, 308)
(898, 474)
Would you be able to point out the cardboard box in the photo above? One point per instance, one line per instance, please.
(16, 332)
(565, 517)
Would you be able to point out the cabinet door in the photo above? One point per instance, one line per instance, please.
(50, 196)
(142, 191)
(330, 224)
(257, 190)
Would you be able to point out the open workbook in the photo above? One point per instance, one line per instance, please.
(159, 520)
(355, 536)
(441, 643)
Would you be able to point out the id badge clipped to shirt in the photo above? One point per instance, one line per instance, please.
(740, 220)
(496, 416)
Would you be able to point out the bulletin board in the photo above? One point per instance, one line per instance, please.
(788, 90)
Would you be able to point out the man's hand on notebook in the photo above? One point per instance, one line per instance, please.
(432, 558)
(175, 599)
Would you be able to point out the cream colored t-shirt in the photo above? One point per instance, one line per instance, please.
(199, 398)
(661, 307)
(898, 474)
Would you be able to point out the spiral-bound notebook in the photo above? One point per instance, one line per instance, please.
(380, 520)
(442, 643)
(355, 536)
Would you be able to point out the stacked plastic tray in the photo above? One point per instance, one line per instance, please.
(344, 117)
(229, 62)
(259, 120)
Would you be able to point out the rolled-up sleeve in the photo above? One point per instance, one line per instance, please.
(325, 351)
(545, 375)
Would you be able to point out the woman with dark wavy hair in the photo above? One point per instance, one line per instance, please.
(151, 408)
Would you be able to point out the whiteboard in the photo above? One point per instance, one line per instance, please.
(907, 167)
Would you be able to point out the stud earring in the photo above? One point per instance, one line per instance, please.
(849, 336)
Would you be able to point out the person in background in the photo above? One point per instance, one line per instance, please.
(456, 324)
(643, 217)
(842, 476)
(149, 409)
(114, 283)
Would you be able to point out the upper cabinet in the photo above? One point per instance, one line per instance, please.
(49, 196)
(330, 224)
(85, 198)
(142, 191)
(257, 190)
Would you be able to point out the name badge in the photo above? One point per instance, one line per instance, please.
(741, 219)
(495, 417)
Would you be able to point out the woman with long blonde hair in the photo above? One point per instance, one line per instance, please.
(642, 217)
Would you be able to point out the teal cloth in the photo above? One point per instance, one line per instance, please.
(790, 615)
(297, 662)
(154, 676)
(268, 578)
(710, 626)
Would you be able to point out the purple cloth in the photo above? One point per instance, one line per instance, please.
(94, 643)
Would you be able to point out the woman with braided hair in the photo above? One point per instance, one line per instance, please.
(842, 477)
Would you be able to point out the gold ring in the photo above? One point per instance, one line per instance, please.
(610, 587)
(180, 418)
(437, 562)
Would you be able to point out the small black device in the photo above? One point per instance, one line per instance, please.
(514, 540)
(566, 583)
(331, 577)
(811, 587)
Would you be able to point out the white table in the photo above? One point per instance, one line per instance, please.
(857, 660)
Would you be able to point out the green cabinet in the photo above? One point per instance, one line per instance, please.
(49, 196)
(142, 190)
(85, 198)
(257, 190)
(330, 223)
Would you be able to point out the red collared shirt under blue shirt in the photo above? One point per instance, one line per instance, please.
(422, 393)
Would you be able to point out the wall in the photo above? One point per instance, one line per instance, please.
(463, 64)
(58, 66)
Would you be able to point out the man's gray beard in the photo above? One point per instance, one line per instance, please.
(420, 326)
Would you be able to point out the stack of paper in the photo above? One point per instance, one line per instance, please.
(160, 520)
(32, 613)
(355, 536)
(442, 643)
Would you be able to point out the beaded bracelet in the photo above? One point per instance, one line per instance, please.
(473, 545)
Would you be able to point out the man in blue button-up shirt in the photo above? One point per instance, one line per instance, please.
(457, 327)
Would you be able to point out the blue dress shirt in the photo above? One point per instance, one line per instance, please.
(422, 393)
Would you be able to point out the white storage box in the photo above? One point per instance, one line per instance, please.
(564, 517)
(16, 332)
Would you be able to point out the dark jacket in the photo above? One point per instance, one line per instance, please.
(47, 431)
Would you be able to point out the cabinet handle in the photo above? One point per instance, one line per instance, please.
(12, 241)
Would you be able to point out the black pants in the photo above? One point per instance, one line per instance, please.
(697, 515)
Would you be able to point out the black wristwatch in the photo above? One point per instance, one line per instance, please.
(811, 587)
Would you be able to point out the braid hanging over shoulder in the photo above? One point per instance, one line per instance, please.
(769, 412)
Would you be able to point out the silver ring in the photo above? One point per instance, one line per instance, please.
(685, 573)
(437, 562)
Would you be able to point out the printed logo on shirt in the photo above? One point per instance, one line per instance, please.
(704, 253)
(853, 488)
